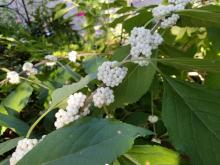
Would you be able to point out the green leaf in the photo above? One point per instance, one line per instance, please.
(170, 51)
(136, 83)
(61, 13)
(91, 64)
(213, 8)
(17, 99)
(8, 145)
(139, 20)
(192, 117)
(212, 81)
(196, 64)
(61, 94)
(18, 125)
(89, 141)
(70, 71)
(199, 18)
(155, 155)
(5, 162)
(213, 34)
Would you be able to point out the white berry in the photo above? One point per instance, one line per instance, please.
(103, 96)
(51, 60)
(72, 56)
(13, 77)
(29, 68)
(23, 147)
(170, 21)
(152, 119)
(111, 74)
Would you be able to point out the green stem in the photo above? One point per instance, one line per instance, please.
(148, 22)
(152, 112)
(106, 111)
(41, 85)
(37, 121)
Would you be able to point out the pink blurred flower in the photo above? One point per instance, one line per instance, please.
(81, 14)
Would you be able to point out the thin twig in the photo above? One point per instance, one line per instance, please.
(8, 4)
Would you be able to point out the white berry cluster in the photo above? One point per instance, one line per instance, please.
(29, 68)
(164, 13)
(180, 2)
(170, 21)
(23, 147)
(103, 96)
(51, 60)
(73, 110)
(111, 74)
(152, 119)
(13, 77)
(142, 43)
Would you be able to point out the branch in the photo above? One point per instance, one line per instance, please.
(26, 12)
(8, 4)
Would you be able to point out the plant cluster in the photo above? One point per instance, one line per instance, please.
(154, 100)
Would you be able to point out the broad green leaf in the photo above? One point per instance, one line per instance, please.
(8, 145)
(61, 94)
(139, 20)
(195, 64)
(91, 64)
(136, 83)
(192, 117)
(199, 18)
(17, 99)
(18, 125)
(89, 141)
(155, 155)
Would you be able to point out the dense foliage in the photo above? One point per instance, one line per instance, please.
(106, 83)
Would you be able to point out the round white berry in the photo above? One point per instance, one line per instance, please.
(103, 96)
(51, 60)
(152, 118)
(111, 74)
(156, 140)
(27, 66)
(13, 77)
(72, 56)
(75, 102)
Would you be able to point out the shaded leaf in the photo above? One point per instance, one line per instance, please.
(89, 141)
(199, 18)
(136, 83)
(91, 64)
(192, 116)
(17, 99)
(61, 94)
(211, 65)
(18, 125)
(8, 145)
